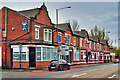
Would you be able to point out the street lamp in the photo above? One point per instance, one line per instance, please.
(57, 19)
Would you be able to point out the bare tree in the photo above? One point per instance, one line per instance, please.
(74, 24)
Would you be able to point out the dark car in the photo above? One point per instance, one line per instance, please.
(58, 65)
(116, 61)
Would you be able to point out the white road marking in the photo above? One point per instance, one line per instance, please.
(112, 76)
(78, 75)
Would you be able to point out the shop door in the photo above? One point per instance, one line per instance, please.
(70, 57)
(32, 60)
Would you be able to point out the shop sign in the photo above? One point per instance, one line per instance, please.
(64, 50)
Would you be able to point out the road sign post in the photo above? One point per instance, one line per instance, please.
(20, 47)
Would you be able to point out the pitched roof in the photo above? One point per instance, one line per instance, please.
(94, 38)
(31, 12)
(62, 27)
(103, 41)
(17, 12)
(80, 33)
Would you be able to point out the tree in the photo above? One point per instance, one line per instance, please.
(92, 33)
(74, 24)
(96, 30)
(103, 34)
(99, 33)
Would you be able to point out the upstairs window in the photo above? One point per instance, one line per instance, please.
(59, 37)
(3, 33)
(81, 42)
(100, 47)
(94, 45)
(36, 33)
(69, 39)
(24, 26)
(74, 41)
(90, 44)
(65, 38)
(48, 35)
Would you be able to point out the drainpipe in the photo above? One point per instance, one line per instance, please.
(5, 35)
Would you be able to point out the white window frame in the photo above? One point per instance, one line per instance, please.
(74, 41)
(66, 35)
(47, 30)
(37, 29)
(84, 54)
(81, 42)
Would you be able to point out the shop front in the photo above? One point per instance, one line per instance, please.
(37, 56)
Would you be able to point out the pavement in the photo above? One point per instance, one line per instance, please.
(46, 69)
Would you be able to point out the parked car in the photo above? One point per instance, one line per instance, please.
(58, 65)
(116, 61)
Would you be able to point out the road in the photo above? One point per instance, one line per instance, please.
(108, 71)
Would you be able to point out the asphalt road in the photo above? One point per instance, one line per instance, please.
(108, 71)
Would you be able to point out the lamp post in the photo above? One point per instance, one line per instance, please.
(57, 19)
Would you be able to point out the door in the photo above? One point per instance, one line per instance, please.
(32, 60)
(86, 58)
(70, 57)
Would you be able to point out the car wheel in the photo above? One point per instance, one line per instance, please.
(50, 69)
(60, 68)
(68, 68)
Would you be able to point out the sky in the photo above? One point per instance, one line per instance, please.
(88, 14)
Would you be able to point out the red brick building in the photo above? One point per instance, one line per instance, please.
(29, 39)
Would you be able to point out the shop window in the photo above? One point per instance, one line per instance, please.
(48, 35)
(78, 55)
(16, 56)
(74, 54)
(83, 55)
(36, 33)
(38, 53)
(47, 54)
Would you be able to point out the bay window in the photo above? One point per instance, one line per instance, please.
(46, 53)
